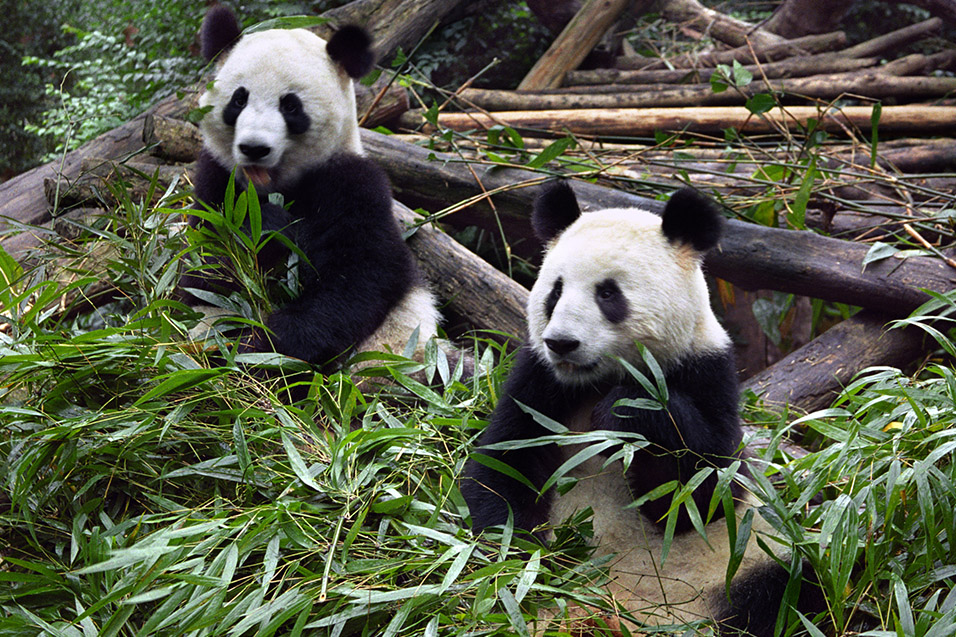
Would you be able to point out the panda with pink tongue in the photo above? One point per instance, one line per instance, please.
(281, 115)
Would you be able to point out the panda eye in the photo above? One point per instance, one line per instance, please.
(611, 301)
(290, 104)
(239, 98)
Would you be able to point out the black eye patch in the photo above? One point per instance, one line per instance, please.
(238, 101)
(293, 112)
(553, 297)
(611, 300)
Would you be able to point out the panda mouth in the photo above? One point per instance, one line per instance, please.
(573, 369)
(258, 175)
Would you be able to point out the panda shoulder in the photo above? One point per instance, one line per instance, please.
(353, 181)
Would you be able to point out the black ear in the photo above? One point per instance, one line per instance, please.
(351, 47)
(220, 30)
(555, 209)
(690, 217)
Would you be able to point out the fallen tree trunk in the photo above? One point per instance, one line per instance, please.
(895, 120)
(749, 256)
(869, 84)
(895, 40)
(811, 377)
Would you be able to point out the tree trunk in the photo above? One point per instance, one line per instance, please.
(795, 18)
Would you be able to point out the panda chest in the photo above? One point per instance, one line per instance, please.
(597, 484)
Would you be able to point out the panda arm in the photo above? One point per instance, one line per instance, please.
(490, 494)
(699, 428)
(358, 266)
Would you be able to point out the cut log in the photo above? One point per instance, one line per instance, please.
(574, 43)
(795, 18)
(811, 377)
(895, 120)
(744, 54)
(171, 139)
(869, 84)
(749, 256)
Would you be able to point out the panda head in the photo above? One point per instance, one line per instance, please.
(616, 276)
(282, 100)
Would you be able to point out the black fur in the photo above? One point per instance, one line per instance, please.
(359, 266)
(611, 301)
(555, 208)
(700, 428)
(490, 494)
(220, 30)
(690, 217)
(351, 47)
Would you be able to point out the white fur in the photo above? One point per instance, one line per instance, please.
(417, 310)
(668, 301)
(270, 64)
(685, 586)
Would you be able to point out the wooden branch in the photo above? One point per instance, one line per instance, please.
(810, 377)
(895, 120)
(721, 26)
(744, 54)
(171, 139)
(870, 84)
(750, 256)
(895, 40)
(574, 43)
(791, 67)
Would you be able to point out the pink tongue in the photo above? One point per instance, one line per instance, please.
(257, 175)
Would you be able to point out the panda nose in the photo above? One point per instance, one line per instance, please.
(254, 151)
(562, 346)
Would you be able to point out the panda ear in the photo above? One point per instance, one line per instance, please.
(351, 48)
(690, 217)
(220, 30)
(555, 209)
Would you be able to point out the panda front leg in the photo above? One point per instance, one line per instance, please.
(681, 442)
(490, 493)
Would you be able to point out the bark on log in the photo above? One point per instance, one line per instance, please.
(895, 120)
(488, 298)
(870, 84)
(574, 43)
(810, 377)
(750, 256)
(721, 26)
(744, 54)
(171, 139)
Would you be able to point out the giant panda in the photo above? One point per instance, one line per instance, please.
(609, 279)
(280, 113)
